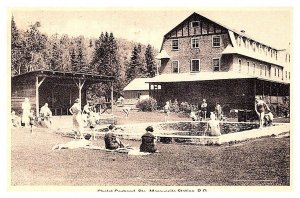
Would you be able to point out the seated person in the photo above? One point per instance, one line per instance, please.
(45, 115)
(214, 125)
(15, 120)
(111, 140)
(82, 143)
(268, 119)
(148, 141)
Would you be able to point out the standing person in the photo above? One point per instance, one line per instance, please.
(218, 110)
(167, 111)
(204, 108)
(31, 120)
(91, 122)
(111, 140)
(148, 141)
(261, 108)
(214, 125)
(75, 110)
(86, 111)
(25, 112)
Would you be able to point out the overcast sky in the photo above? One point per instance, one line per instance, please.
(272, 26)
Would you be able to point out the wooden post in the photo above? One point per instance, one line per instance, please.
(37, 85)
(112, 96)
(79, 85)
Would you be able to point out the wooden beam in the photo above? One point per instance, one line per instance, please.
(37, 101)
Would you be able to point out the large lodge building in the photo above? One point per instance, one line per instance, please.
(203, 59)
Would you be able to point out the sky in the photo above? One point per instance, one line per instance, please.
(269, 25)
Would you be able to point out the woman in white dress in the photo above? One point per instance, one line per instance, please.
(75, 110)
(26, 112)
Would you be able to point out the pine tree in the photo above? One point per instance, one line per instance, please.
(132, 68)
(150, 62)
(17, 49)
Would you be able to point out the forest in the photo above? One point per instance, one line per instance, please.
(32, 50)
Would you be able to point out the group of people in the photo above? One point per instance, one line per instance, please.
(201, 114)
(112, 142)
(29, 118)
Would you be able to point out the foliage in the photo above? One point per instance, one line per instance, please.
(149, 104)
(34, 50)
(150, 62)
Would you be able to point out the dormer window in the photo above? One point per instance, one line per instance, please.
(195, 24)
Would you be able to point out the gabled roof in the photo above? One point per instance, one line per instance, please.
(61, 77)
(138, 84)
(222, 25)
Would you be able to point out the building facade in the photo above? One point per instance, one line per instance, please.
(201, 58)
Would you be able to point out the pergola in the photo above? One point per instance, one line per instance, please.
(30, 83)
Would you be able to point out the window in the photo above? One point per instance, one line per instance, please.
(175, 44)
(289, 75)
(195, 65)
(253, 68)
(195, 42)
(275, 71)
(240, 65)
(265, 70)
(285, 74)
(260, 67)
(175, 66)
(248, 66)
(216, 64)
(216, 41)
(254, 46)
(195, 24)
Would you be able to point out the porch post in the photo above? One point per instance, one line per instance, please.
(79, 85)
(37, 85)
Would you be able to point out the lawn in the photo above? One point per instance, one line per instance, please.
(264, 161)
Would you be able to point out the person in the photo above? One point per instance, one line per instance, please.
(91, 122)
(193, 116)
(31, 120)
(126, 110)
(15, 120)
(213, 125)
(204, 108)
(75, 110)
(74, 144)
(167, 110)
(25, 112)
(120, 101)
(111, 141)
(218, 110)
(261, 108)
(45, 115)
(85, 112)
(148, 141)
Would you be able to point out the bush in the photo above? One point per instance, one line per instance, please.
(149, 104)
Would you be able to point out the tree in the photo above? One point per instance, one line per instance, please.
(17, 49)
(106, 62)
(150, 62)
(35, 44)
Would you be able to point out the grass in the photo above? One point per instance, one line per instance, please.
(264, 161)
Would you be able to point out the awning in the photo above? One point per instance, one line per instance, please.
(204, 76)
(162, 54)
